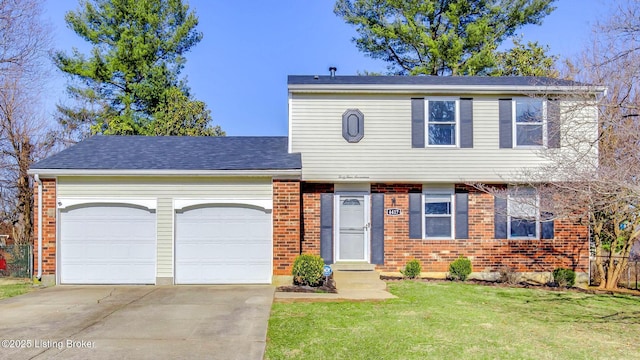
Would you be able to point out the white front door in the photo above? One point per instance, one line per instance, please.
(353, 227)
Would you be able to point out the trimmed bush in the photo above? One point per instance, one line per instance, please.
(460, 268)
(307, 270)
(412, 269)
(564, 277)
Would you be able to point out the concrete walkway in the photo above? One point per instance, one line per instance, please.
(351, 285)
(136, 322)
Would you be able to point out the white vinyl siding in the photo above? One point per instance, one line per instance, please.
(165, 189)
(385, 152)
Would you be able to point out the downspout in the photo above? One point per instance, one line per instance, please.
(37, 179)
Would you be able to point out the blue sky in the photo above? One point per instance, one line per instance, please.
(240, 67)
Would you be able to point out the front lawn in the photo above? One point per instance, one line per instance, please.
(10, 290)
(459, 321)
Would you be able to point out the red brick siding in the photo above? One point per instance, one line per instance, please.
(317, 187)
(311, 223)
(311, 215)
(568, 249)
(286, 225)
(48, 228)
(395, 188)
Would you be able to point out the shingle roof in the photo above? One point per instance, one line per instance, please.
(175, 153)
(431, 80)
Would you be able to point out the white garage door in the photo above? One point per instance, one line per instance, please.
(107, 244)
(223, 245)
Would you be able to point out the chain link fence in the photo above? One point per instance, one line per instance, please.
(630, 277)
(16, 261)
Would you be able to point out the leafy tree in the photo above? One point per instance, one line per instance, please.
(132, 74)
(525, 60)
(181, 116)
(438, 37)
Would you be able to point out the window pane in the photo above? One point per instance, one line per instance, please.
(523, 207)
(438, 227)
(529, 135)
(523, 228)
(442, 111)
(528, 111)
(442, 134)
(437, 208)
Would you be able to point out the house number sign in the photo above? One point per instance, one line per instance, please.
(394, 212)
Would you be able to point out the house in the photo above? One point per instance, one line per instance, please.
(374, 172)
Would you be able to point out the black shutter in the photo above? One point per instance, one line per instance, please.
(506, 123)
(548, 231)
(547, 226)
(377, 228)
(466, 123)
(417, 123)
(553, 124)
(500, 217)
(462, 215)
(415, 216)
(326, 228)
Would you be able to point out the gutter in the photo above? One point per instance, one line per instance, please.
(113, 172)
(412, 88)
(36, 177)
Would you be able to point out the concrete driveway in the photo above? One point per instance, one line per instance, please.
(136, 322)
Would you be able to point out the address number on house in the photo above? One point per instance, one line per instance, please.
(394, 212)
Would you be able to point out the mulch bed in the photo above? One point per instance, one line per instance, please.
(326, 287)
(548, 287)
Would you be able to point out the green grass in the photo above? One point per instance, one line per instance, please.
(459, 321)
(11, 290)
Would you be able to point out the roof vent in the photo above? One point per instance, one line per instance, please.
(332, 70)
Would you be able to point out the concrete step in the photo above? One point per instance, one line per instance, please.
(358, 280)
(352, 266)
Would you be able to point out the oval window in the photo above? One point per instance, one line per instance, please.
(353, 125)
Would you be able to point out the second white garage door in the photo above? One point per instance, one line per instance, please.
(223, 245)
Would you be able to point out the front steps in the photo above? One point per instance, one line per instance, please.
(352, 266)
(365, 279)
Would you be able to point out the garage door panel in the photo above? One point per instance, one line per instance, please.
(227, 273)
(249, 251)
(108, 245)
(223, 245)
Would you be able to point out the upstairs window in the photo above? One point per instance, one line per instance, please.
(442, 122)
(529, 123)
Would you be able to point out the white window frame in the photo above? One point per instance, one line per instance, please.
(514, 129)
(443, 193)
(511, 198)
(456, 123)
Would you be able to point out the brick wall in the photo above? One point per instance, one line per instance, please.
(395, 188)
(286, 225)
(48, 228)
(568, 249)
(311, 215)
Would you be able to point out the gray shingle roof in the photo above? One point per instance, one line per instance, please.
(175, 153)
(431, 80)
